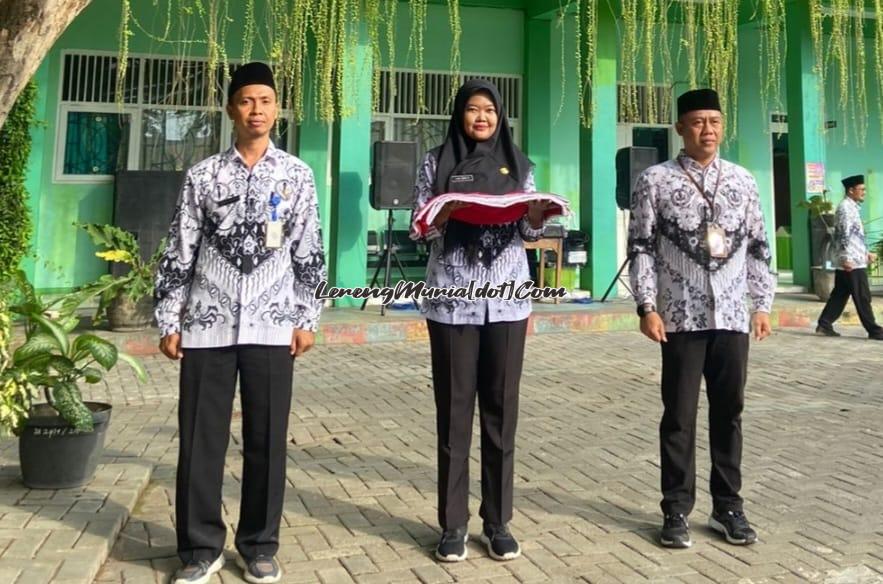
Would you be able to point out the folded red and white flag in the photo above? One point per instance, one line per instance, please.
(484, 209)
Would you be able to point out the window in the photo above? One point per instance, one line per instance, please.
(96, 143)
(171, 116)
(397, 118)
(176, 139)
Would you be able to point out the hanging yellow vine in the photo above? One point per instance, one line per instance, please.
(772, 50)
(312, 41)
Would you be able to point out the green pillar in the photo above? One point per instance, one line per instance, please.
(597, 161)
(806, 138)
(350, 173)
(314, 148)
(752, 147)
(537, 131)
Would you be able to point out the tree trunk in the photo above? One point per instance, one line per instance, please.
(28, 29)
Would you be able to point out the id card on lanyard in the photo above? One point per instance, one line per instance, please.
(274, 226)
(715, 236)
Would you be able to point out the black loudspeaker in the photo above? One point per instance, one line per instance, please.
(393, 175)
(630, 163)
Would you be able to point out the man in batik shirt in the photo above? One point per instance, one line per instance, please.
(697, 246)
(235, 297)
(853, 257)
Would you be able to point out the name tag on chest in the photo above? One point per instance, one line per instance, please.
(274, 235)
(462, 178)
(716, 239)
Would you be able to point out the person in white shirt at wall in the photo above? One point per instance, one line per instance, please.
(234, 297)
(853, 257)
(698, 247)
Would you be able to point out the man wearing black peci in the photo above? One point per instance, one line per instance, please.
(697, 246)
(853, 258)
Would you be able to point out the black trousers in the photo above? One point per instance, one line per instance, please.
(853, 283)
(208, 379)
(469, 359)
(722, 358)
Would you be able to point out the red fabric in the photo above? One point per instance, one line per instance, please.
(488, 209)
(483, 215)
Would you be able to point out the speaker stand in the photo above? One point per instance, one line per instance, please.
(389, 254)
(618, 278)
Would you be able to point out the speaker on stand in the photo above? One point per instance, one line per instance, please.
(630, 163)
(393, 174)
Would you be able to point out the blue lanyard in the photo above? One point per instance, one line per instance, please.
(275, 199)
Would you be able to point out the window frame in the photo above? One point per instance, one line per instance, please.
(135, 111)
(390, 116)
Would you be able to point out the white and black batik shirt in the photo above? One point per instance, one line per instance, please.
(671, 267)
(849, 235)
(217, 283)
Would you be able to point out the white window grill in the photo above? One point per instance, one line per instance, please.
(437, 93)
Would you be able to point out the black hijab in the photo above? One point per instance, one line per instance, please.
(495, 166)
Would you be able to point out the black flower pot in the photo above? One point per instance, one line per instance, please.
(53, 455)
(123, 315)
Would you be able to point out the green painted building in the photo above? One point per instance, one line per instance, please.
(165, 122)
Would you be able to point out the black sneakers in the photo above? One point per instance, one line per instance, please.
(675, 531)
(501, 545)
(198, 571)
(826, 331)
(452, 545)
(734, 526)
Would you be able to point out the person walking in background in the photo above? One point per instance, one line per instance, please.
(853, 257)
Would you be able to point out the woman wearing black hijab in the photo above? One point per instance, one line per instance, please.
(477, 346)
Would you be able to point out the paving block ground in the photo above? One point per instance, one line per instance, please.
(361, 505)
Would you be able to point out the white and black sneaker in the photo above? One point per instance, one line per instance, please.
(262, 569)
(198, 571)
(675, 531)
(452, 545)
(734, 526)
(501, 545)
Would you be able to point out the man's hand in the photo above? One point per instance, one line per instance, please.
(536, 212)
(301, 342)
(760, 322)
(446, 211)
(872, 257)
(170, 345)
(653, 327)
(847, 266)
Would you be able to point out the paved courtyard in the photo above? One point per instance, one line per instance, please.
(360, 505)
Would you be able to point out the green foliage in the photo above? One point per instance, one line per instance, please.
(118, 246)
(52, 360)
(315, 39)
(15, 221)
(817, 205)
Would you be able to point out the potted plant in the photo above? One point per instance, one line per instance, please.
(126, 300)
(821, 212)
(877, 249)
(61, 440)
